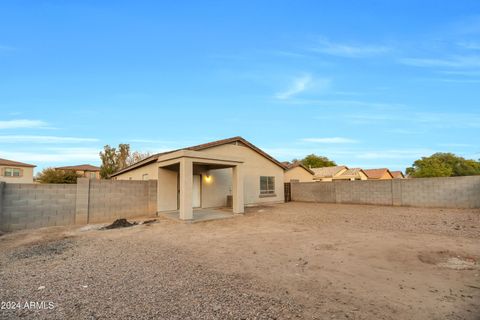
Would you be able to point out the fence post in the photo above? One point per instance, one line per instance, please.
(81, 205)
(2, 221)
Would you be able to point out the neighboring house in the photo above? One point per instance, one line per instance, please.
(397, 174)
(84, 170)
(351, 174)
(297, 172)
(16, 172)
(378, 174)
(327, 173)
(204, 176)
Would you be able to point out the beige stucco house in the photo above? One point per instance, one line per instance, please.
(378, 174)
(327, 173)
(397, 174)
(16, 172)
(351, 174)
(84, 170)
(297, 172)
(204, 176)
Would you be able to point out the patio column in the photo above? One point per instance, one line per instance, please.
(237, 189)
(186, 184)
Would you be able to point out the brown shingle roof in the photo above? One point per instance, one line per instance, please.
(80, 167)
(327, 172)
(376, 173)
(5, 162)
(200, 147)
(350, 173)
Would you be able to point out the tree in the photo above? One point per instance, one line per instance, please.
(137, 156)
(443, 165)
(50, 175)
(314, 161)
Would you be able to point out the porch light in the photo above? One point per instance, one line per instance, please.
(208, 177)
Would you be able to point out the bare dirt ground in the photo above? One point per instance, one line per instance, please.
(295, 260)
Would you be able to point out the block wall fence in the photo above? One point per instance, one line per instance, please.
(25, 206)
(450, 192)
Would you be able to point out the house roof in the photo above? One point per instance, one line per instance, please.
(296, 164)
(397, 174)
(327, 172)
(80, 167)
(376, 173)
(5, 162)
(153, 158)
(350, 173)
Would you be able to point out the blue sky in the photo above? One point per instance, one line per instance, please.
(366, 83)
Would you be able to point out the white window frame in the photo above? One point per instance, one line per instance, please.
(270, 190)
(11, 172)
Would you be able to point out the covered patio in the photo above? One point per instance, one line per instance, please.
(185, 175)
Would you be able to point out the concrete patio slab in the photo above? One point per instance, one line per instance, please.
(201, 215)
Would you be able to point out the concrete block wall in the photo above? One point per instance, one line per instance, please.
(451, 192)
(109, 200)
(26, 206)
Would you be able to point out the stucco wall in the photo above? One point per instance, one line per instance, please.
(452, 192)
(27, 175)
(298, 173)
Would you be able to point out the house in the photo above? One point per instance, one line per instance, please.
(84, 170)
(297, 172)
(16, 172)
(351, 174)
(397, 174)
(378, 174)
(327, 173)
(204, 176)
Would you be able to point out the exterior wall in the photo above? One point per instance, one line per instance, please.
(254, 166)
(298, 173)
(216, 188)
(27, 175)
(24, 206)
(452, 192)
(27, 206)
(137, 174)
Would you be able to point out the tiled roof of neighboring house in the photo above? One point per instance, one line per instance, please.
(291, 166)
(5, 162)
(397, 174)
(376, 173)
(80, 167)
(153, 158)
(352, 173)
(327, 172)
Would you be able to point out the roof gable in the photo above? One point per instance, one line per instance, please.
(377, 173)
(6, 162)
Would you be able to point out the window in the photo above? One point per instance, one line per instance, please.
(12, 172)
(145, 176)
(267, 186)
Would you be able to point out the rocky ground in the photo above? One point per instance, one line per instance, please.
(296, 260)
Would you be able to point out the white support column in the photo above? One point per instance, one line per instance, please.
(237, 189)
(186, 184)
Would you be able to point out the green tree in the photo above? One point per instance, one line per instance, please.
(443, 165)
(314, 161)
(50, 175)
(115, 159)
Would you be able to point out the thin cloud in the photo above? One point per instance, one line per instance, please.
(348, 50)
(54, 155)
(43, 139)
(452, 62)
(298, 85)
(22, 123)
(334, 140)
(471, 45)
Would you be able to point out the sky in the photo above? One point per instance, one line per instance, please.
(366, 83)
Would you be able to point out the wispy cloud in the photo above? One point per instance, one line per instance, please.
(6, 48)
(22, 123)
(471, 45)
(298, 85)
(472, 61)
(43, 139)
(54, 155)
(334, 140)
(325, 46)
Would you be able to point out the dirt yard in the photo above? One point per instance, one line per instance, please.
(295, 260)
